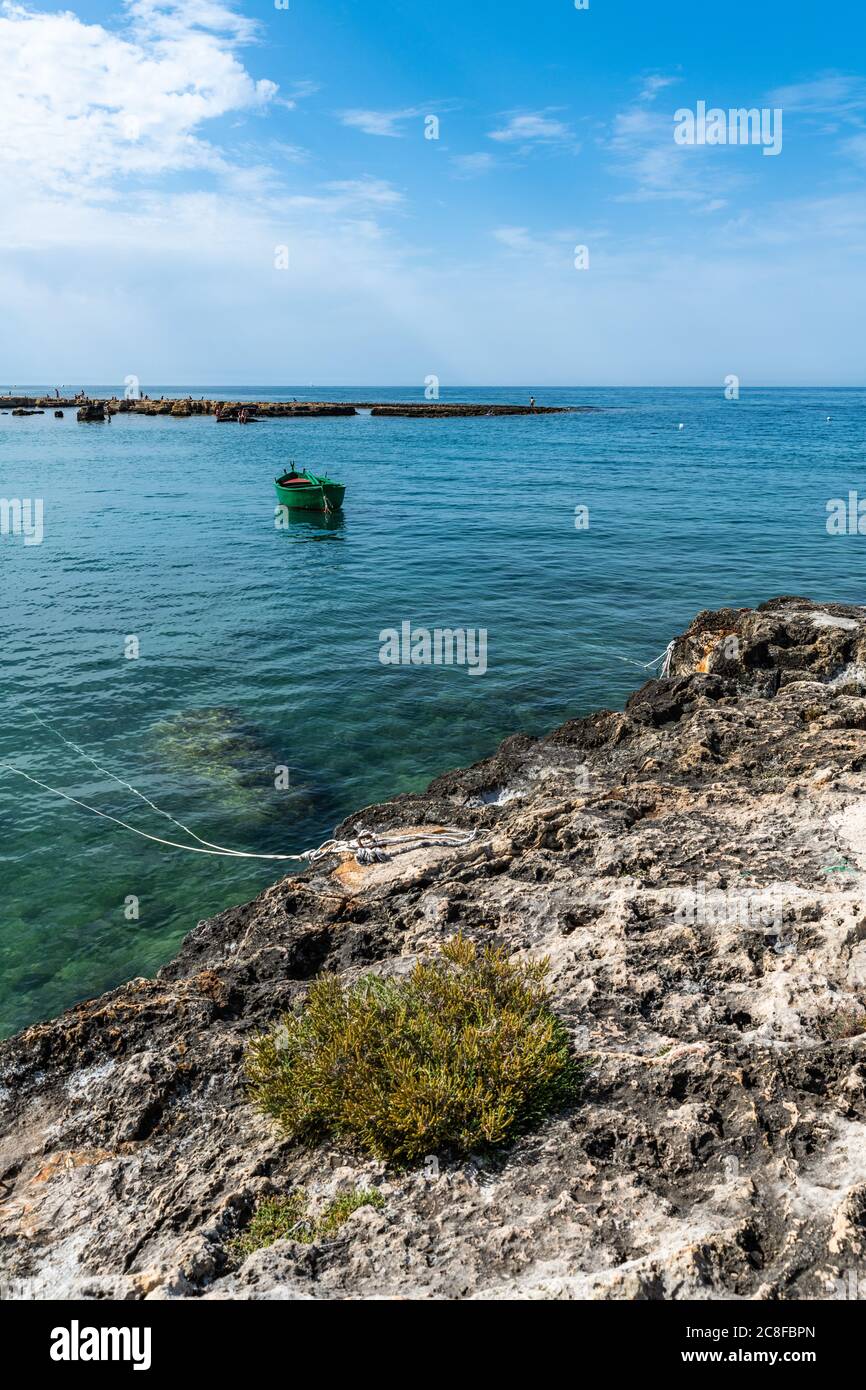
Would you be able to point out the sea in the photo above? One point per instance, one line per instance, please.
(162, 624)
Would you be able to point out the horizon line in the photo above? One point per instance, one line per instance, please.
(6, 388)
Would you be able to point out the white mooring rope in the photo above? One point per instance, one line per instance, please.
(128, 785)
(368, 847)
(664, 657)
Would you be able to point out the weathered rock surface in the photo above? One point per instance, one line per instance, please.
(694, 868)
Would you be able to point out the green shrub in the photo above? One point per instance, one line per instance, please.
(273, 1219)
(342, 1207)
(281, 1218)
(461, 1055)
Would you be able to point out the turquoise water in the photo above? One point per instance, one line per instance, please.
(259, 647)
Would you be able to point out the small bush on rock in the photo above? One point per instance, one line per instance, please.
(462, 1054)
(287, 1218)
(275, 1218)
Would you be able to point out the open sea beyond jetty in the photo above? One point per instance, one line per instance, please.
(258, 647)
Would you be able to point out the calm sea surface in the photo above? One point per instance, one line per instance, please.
(259, 648)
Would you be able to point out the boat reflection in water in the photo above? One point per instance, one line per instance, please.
(312, 526)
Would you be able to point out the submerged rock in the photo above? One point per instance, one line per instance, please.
(693, 866)
(219, 746)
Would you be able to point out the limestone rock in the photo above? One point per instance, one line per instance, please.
(693, 866)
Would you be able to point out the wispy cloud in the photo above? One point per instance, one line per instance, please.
(532, 128)
(303, 89)
(833, 94)
(366, 192)
(387, 123)
(654, 84)
(641, 141)
(833, 104)
(836, 223)
(469, 166)
(552, 249)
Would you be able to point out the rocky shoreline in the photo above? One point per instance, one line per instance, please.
(185, 407)
(693, 866)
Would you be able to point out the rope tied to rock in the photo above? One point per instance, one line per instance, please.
(371, 847)
(663, 657)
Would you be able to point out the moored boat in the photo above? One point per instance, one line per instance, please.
(309, 492)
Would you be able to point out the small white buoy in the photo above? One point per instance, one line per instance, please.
(680, 426)
(829, 418)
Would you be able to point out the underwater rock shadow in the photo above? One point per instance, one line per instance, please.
(218, 747)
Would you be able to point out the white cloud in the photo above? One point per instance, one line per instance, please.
(96, 123)
(82, 105)
(343, 197)
(532, 127)
(166, 19)
(654, 84)
(366, 192)
(380, 122)
(553, 250)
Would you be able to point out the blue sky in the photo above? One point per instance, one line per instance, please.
(160, 154)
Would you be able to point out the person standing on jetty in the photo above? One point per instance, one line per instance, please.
(531, 402)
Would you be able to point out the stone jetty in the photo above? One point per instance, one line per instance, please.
(187, 406)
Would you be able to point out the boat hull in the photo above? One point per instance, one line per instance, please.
(320, 497)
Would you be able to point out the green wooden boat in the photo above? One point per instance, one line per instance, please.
(308, 493)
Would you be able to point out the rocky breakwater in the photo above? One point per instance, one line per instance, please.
(180, 408)
(187, 406)
(270, 410)
(442, 410)
(230, 410)
(693, 866)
